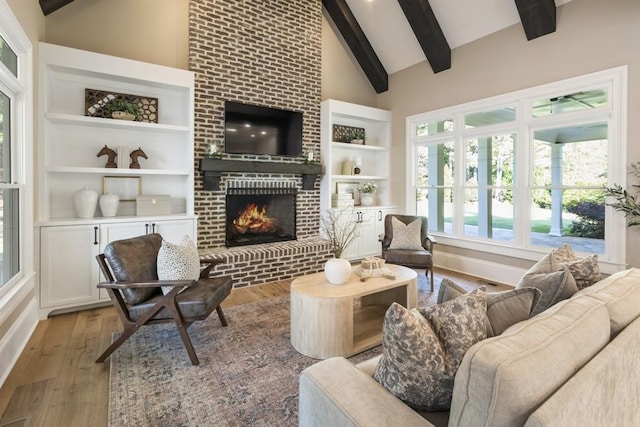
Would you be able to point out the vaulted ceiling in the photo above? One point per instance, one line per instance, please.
(386, 36)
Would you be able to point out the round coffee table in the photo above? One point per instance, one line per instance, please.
(342, 320)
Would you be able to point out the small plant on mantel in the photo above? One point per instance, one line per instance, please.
(625, 201)
(339, 229)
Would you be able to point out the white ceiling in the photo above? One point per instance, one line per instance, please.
(462, 21)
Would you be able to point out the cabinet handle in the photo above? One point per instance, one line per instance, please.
(146, 229)
(153, 227)
(95, 235)
(379, 215)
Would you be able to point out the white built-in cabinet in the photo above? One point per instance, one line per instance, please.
(372, 158)
(67, 149)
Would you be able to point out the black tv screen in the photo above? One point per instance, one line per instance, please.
(252, 129)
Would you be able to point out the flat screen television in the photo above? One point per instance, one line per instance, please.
(252, 129)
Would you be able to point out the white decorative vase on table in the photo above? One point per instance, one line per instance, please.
(85, 202)
(366, 199)
(109, 204)
(337, 271)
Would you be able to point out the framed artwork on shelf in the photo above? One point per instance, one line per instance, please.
(127, 187)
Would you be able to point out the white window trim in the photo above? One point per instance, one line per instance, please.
(615, 79)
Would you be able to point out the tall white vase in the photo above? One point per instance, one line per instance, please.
(109, 204)
(337, 271)
(85, 202)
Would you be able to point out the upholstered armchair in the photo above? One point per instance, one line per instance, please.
(130, 268)
(411, 246)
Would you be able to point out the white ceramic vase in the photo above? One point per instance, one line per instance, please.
(366, 199)
(337, 271)
(109, 204)
(85, 202)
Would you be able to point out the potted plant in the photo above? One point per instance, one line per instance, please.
(122, 110)
(366, 190)
(357, 136)
(626, 202)
(338, 227)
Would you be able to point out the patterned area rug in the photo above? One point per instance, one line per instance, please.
(248, 373)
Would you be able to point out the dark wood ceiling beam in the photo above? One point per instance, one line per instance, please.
(355, 38)
(428, 32)
(50, 6)
(538, 17)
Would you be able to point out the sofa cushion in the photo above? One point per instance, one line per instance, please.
(503, 379)
(620, 292)
(504, 308)
(178, 262)
(554, 281)
(406, 236)
(421, 350)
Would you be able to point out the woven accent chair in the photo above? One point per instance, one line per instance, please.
(130, 269)
(414, 258)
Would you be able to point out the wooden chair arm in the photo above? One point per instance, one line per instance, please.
(152, 284)
(206, 272)
(428, 243)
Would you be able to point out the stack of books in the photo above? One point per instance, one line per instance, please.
(342, 200)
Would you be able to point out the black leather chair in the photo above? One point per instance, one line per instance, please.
(422, 258)
(130, 269)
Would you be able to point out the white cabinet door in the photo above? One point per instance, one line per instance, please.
(68, 267)
(174, 230)
(121, 230)
(368, 239)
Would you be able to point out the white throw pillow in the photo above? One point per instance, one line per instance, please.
(178, 262)
(406, 236)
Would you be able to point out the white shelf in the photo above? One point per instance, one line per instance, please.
(360, 177)
(71, 119)
(116, 171)
(357, 147)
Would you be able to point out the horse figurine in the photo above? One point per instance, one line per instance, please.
(134, 158)
(111, 157)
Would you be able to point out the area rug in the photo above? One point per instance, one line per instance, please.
(248, 372)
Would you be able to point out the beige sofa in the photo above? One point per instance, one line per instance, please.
(575, 364)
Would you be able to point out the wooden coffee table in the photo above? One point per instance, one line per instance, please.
(342, 320)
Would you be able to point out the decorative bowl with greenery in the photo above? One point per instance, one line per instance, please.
(121, 105)
(338, 227)
(625, 201)
(367, 187)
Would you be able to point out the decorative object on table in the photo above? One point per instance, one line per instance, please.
(95, 102)
(153, 204)
(339, 228)
(357, 163)
(134, 158)
(373, 267)
(85, 202)
(626, 202)
(126, 187)
(123, 156)
(347, 167)
(214, 150)
(348, 134)
(109, 204)
(111, 157)
(366, 190)
(120, 109)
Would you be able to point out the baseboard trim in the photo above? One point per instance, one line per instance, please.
(490, 271)
(17, 337)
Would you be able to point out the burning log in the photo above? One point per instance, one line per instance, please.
(254, 220)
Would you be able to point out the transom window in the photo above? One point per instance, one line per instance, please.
(526, 170)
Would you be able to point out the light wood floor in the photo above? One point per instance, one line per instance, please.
(56, 382)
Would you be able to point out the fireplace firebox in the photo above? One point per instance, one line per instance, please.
(260, 215)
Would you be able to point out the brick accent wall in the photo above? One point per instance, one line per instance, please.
(263, 52)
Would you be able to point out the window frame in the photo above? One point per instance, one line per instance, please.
(614, 114)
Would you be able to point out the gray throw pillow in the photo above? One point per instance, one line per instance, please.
(504, 308)
(406, 236)
(422, 349)
(585, 271)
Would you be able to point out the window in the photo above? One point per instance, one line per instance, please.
(16, 220)
(526, 171)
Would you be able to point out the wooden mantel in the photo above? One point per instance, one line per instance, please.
(212, 170)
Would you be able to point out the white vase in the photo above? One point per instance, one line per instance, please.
(337, 271)
(366, 199)
(109, 204)
(85, 202)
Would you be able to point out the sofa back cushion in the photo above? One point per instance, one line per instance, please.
(620, 293)
(502, 380)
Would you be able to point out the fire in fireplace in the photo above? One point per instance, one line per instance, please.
(260, 215)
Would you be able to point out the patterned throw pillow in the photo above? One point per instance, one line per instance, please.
(585, 271)
(406, 236)
(421, 350)
(563, 255)
(504, 309)
(178, 262)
